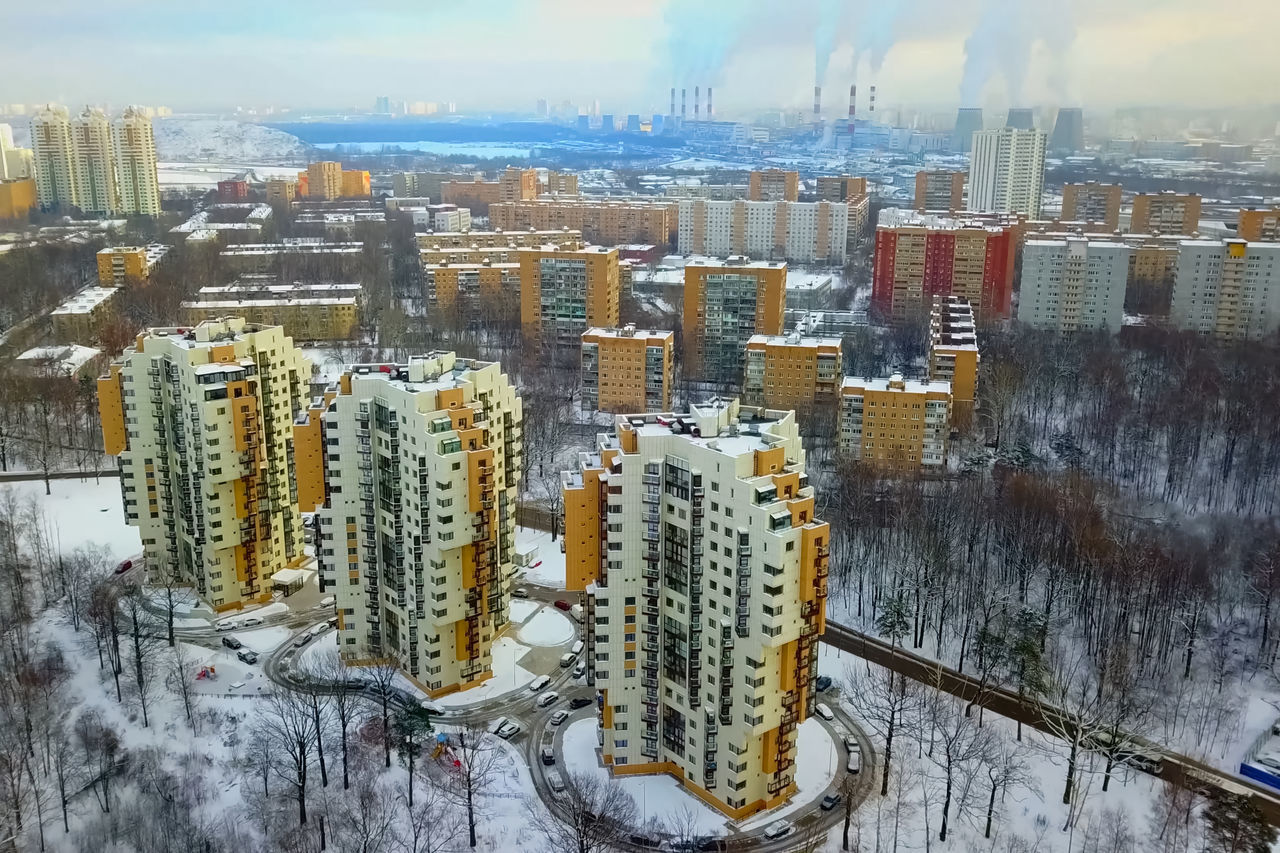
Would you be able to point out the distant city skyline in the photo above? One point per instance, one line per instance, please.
(503, 54)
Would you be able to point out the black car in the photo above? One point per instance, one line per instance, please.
(712, 843)
(645, 841)
(579, 702)
(830, 801)
(824, 683)
(231, 642)
(247, 656)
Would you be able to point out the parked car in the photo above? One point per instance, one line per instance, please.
(250, 621)
(355, 682)
(567, 659)
(777, 829)
(226, 625)
(577, 647)
(302, 639)
(559, 717)
(328, 601)
(829, 802)
(555, 781)
(855, 761)
(231, 642)
(520, 592)
(644, 841)
(576, 612)
(579, 702)
(125, 565)
(580, 670)
(508, 731)
(248, 656)
(548, 698)
(712, 843)
(333, 623)
(851, 744)
(824, 683)
(824, 712)
(548, 755)
(538, 683)
(564, 605)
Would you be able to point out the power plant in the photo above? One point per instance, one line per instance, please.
(968, 122)
(1021, 118)
(1068, 131)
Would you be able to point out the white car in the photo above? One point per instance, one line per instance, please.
(508, 731)
(548, 698)
(538, 683)
(250, 621)
(559, 717)
(855, 761)
(328, 601)
(824, 712)
(777, 829)
(227, 625)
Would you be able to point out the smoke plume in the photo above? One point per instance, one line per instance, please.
(824, 37)
(1003, 41)
(875, 32)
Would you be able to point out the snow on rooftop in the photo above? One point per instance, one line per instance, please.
(69, 358)
(87, 300)
(895, 383)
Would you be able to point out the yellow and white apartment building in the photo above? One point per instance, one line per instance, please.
(695, 541)
(953, 353)
(417, 533)
(792, 371)
(119, 266)
(627, 370)
(564, 292)
(895, 423)
(725, 303)
(202, 421)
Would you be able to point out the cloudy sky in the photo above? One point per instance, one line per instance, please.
(503, 54)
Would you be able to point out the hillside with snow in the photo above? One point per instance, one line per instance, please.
(220, 140)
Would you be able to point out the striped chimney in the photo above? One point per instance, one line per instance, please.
(853, 105)
(684, 103)
(710, 110)
(673, 101)
(696, 98)
(817, 104)
(872, 107)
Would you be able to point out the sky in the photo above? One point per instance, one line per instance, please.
(504, 54)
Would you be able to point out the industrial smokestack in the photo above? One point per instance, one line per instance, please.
(684, 104)
(817, 105)
(853, 107)
(710, 111)
(696, 98)
(968, 122)
(872, 108)
(673, 101)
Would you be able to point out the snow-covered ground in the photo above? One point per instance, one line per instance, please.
(547, 567)
(819, 759)
(549, 627)
(521, 609)
(83, 512)
(508, 676)
(659, 796)
(226, 141)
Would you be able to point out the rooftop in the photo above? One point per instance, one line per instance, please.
(735, 262)
(87, 300)
(629, 331)
(230, 305)
(438, 370)
(719, 424)
(69, 359)
(793, 340)
(895, 383)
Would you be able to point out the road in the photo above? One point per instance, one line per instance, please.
(1175, 769)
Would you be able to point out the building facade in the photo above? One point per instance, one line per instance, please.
(308, 311)
(1073, 284)
(135, 160)
(1165, 213)
(725, 304)
(704, 566)
(1006, 171)
(564, 292)
(939, 191)
(797, 232)
(773, 185)
(1229, 289)
(417, 533)
(98, 190)
(81, 318)
(840, 188)
(608, 222)
(55, 158)
(202, 421)
(472, 292)
(953, 354)
(920, 256)
(627, 370)
(895, 422)
(323, 180)
(17, 198)
(1092, 202)
(1259, 225)
(792, 372)
(282, 190)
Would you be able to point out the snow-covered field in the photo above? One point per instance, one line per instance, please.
(659, 796)
(83, 512)
(508, 676)
(549, 627)
(226, 141)
(547, 568)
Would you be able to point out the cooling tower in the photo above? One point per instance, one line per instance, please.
(1068, 131)
(968, 122)
(1021, 118)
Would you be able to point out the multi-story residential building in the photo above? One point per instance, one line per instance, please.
(355, 183)
(17, 198)
(919, 256)
(321, 180)
(799, 232)
(560, 183)
(725, 304)
(202, 421)
(1258, 225)
(840, 188)
(475, 193)
(711, 192)
(123, 265)
(895, 422)
(953, 354)
(695, 540)
(773, 185)
(421, 184)
(1092, 202)
(282, 190)
(135, 163)
(564, 292)
(608, 222)
(1165, 213)
(469, 292)
(233, 190)
(1006, 171)
(98, 190)
(1073, 284)
(81, 318)
(1227, 288)
(55, 158)
(518, 184)
(15, 163)
(792, 372)
(417, 534)
(297, 258)
(308, 311)
(627, 370)
(444, 242)
(939, 191)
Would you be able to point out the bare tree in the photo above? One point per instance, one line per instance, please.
(181, 679)
(592, 815)
(144, 649)
(365, 818)
(432, 822)
(883, 700)
(478, 759)
(382, 684)
(344, 699)
(287, 726)
(955, 743)
(100, 744)
(1005, 768)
